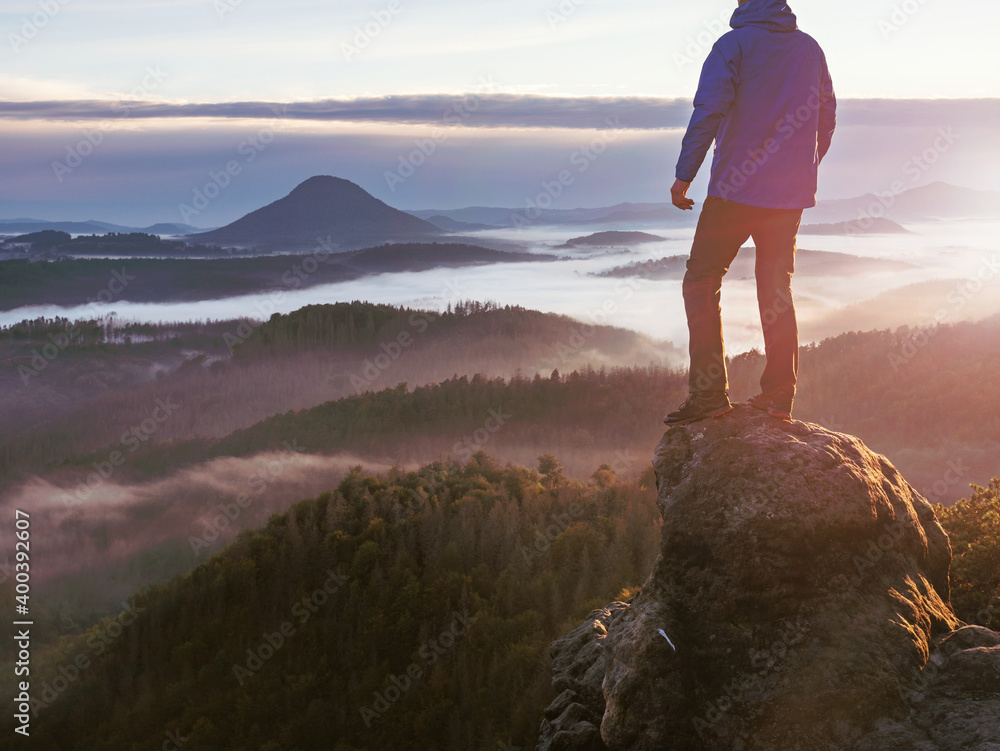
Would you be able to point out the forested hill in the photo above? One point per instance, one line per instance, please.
(462, 323)
(226, 376)
(409, 612)
(157, 271)
(907, 394)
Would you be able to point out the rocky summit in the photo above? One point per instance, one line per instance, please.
(799, 602)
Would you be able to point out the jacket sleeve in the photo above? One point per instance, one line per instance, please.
(827, 112)
(715, 96)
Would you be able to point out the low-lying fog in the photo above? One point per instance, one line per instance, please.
(99, 551)
(949, 269)
(938, 265)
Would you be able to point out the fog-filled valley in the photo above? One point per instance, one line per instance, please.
(166, 406)
(937, 270)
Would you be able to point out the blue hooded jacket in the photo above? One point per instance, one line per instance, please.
(766, 98)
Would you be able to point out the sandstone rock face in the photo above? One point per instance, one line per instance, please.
(954, 704)
(572, 722)
(799, 601)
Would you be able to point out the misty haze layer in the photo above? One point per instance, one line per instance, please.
(951, 264)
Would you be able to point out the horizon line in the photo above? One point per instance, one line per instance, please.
(412, 212)
(493, 110)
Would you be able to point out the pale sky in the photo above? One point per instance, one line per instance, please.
(287, 50)
(215, 52)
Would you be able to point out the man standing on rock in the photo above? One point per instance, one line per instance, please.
(766, 99)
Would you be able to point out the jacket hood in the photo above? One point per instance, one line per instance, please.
(771, 15)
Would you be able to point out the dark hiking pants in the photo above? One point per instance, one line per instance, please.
(722, 228)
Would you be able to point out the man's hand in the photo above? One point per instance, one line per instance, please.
(678, 195)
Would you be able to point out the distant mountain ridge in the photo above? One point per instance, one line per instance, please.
(873, 226)
(325, 206)
(451, 225)
(936, 201)
(91, 227)
(322, 207)
(493, 216)
(925, 203)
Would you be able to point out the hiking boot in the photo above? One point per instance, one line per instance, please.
(776, 405)
(700, 405)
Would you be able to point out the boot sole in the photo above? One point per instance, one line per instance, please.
(774, 412)
(718, 413)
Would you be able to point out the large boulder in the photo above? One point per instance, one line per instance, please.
(799, 601)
